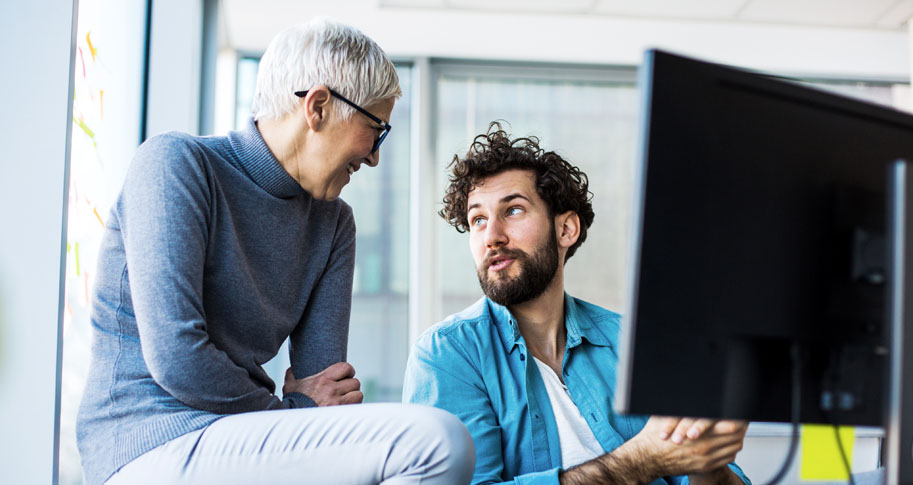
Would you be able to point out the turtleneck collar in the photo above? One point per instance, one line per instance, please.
(260, 164)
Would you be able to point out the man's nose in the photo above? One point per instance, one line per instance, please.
(495, 236)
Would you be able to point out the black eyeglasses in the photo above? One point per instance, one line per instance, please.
(363, 111)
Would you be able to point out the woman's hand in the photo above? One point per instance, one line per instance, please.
(334, 385)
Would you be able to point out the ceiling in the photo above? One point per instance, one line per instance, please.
(878, 14)
(864, 14)
(410, 26)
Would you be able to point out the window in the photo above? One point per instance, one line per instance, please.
(107, 95)
(378, 331)
(244, 92)
(895, 95)
(588, 116)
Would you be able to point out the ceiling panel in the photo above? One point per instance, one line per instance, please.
(858, 13)
(526, 6)
(703, 9)
(897, 16)
(413, 3)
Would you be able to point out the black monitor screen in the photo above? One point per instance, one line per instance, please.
(759, 225)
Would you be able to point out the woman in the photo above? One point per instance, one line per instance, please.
(220, 248)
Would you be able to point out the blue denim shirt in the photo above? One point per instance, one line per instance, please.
(475, 364)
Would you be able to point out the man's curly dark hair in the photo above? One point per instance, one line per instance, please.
(561, 185)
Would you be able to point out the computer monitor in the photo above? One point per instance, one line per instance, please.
(760, 226)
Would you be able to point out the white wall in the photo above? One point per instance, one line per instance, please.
(37, 87)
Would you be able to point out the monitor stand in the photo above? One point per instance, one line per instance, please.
(899, 412)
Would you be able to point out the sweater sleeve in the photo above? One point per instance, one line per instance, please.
(164, 215)
(320, 339)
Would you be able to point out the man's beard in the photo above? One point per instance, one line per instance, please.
(536, 273)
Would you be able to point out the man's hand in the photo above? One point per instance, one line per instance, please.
(334, 385)
(678, 429)
(680, 446)
(651, 454)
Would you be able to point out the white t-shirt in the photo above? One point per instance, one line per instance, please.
(578, 444)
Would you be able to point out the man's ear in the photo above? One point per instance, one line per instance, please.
(315, 107)
(567, 229)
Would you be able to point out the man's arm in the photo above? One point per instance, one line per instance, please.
(623, 465)
(720, 476)
(647, 457)
(440, 373)
(684, 429)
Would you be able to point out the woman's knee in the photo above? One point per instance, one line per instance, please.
(442, 442)
(459, 441)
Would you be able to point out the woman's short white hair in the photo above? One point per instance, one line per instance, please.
(322, 52)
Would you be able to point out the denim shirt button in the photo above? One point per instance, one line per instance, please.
(522, 357)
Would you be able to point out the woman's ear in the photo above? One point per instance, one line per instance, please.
(315, 106)
(567, 229)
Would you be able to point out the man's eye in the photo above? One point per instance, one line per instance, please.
(514, 211)
(477, 221)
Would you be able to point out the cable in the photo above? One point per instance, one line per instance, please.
(843, 456)
(796, 406)
(846, 462)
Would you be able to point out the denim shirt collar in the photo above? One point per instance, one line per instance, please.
(578, 324)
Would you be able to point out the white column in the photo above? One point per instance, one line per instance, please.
(424, 286)
(39, 40)
(175, 67)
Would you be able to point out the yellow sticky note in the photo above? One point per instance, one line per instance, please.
(821, 458)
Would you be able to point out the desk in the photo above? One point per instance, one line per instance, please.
(766, 445)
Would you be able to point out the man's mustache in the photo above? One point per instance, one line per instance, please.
(502, 253)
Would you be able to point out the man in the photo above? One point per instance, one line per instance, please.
(529, 369)
(220, 248)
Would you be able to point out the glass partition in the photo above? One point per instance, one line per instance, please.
(379, 196)
(588, 116)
